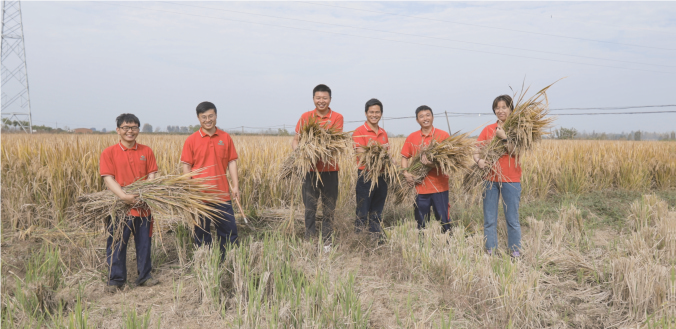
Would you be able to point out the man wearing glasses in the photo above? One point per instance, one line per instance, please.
(213, 149)
(121, 165)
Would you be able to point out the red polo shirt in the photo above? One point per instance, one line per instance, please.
(214, 152)
(332, 120)
(435, 181)
(507, 170)
(128, 165)
(364, 134)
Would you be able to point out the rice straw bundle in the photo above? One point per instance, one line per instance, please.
(315, 144)
(171, 199)
(449, 156)
(377, 161)
(524, 127)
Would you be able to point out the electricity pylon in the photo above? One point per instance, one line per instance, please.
(16, 101)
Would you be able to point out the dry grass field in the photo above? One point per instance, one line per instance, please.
(599, 237)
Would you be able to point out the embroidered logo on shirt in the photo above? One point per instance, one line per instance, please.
(220, 142)
(143, 158)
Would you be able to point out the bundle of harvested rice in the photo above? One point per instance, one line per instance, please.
(315, 144)
(171, 199)
(377, 162)
(524, 127)
(449, 156)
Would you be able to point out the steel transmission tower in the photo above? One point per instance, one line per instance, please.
(16, 101)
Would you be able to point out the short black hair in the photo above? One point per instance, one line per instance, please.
(371, 102)
(423, 108)
(504, 98)
(321, 87)
(205, 106)
(128, 118)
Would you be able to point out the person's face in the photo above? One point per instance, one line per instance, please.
(128, 131)
(374, 114)
(322, 100)
(207, 119)
(425, 119)
(502, 111)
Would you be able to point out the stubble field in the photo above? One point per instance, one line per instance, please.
(599, 237)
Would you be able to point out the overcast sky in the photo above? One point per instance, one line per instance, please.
(90, 61)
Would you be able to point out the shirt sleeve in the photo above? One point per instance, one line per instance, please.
(187, 153)
(407, 150)
(232, 152)
(151, 163)
(106, 164)
(338, 125)
(299, 124)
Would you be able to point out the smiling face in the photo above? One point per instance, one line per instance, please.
(502, 111)
(128, 131)
(374, 114)
(425, 119)
(322, 100)
(207, 119)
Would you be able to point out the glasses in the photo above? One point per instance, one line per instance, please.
(207, 118)
(126, 129)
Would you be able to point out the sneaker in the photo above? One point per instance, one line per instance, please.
(112, 288)
(149, 282)
(516, 254)
(327, 248)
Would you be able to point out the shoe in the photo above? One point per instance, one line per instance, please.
(489, 252)
(516, 254)
(327, 248)
(112, 288)
(149, 282)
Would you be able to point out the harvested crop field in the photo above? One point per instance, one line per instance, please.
(599, 238)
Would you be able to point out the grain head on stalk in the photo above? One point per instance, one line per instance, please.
(377, 162)
(172, 199)
(315, 144)
(450, 156)
(524, 128)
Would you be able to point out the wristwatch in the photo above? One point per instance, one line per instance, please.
(505, 140)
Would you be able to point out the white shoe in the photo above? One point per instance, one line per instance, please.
(327, 248)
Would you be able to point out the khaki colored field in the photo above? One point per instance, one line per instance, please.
(577, 270)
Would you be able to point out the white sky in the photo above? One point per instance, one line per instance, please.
(90, 61)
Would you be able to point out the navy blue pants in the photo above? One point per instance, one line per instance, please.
(116, 258)
(438, 202)
(370, 205)
(226, 228)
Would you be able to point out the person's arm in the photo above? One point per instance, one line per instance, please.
(186, 167)
(294, 145)
(152, 175)
(407, 175)
(115, 187)
(234, 182)
(500, 133)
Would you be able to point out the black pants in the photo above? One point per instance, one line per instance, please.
(370, 205)
(116, 256)
(226, 227)
(313, 190)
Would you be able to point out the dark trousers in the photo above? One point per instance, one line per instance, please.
(439, 203)
(226, 228)
(116, 257)
(313, 190)
(370, 205)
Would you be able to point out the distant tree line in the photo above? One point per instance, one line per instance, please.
(572, 133)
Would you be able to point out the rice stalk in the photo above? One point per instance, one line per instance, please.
(172, 199)
(315, 144)
(450, 156)
(377, 162)
(524, 128)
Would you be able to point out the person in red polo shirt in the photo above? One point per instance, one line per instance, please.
(370, 203)
(120, 165)
(433, 190)
(213, 149)
(505, 179)
(327, 188)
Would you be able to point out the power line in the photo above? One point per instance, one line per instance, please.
(488, 27)
(611, 108)
(398, 41)
(418, 35)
